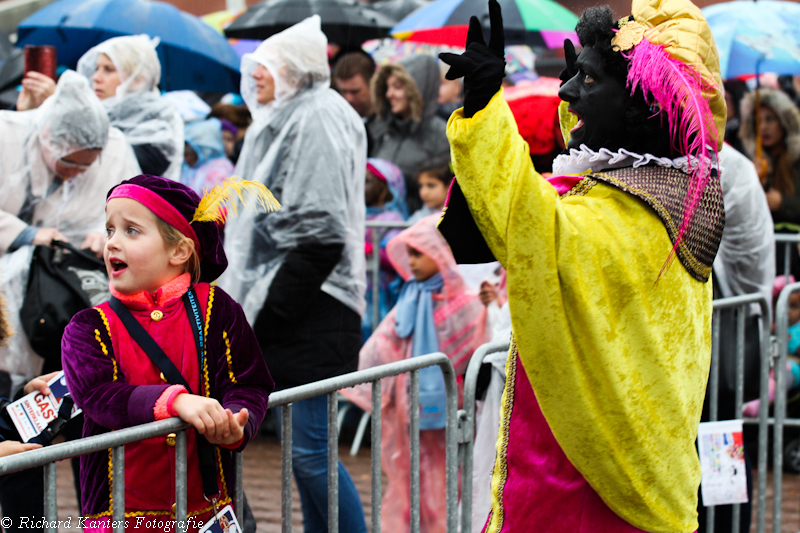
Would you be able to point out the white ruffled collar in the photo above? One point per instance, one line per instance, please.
(583, 159)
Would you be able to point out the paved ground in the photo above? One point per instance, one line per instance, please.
(262, 484)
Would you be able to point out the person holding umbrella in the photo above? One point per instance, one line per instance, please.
(300, 272)
(611, 343)
(124, 72)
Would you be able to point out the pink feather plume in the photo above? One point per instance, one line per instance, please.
(678, 90)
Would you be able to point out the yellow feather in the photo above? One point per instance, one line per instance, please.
(216, 203)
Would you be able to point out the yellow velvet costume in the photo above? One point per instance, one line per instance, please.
(617, 357)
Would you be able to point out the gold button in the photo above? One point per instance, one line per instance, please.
(171, 443)
(163, 378)
(174, 508)
(156, 315)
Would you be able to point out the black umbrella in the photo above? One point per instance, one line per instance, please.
(398, 9)
(346, 23)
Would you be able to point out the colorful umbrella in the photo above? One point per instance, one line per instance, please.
(193, 56)
(753, 37)
(219, 20)
(531, 22)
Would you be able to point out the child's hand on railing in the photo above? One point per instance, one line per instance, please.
(205, 414)
(236, 423)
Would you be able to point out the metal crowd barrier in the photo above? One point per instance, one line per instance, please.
(374, 263)
(116, 441)
(741, 304)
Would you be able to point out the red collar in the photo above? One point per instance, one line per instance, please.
(149, 300)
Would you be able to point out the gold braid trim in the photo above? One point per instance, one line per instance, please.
(111, 481)
(221, 472)
(666, 218)
(102, 345)
(228, 356)
(501, 463)
(580, 188)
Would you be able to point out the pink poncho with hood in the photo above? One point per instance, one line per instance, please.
(460, 321)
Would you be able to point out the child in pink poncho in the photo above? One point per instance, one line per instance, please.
(434, 313)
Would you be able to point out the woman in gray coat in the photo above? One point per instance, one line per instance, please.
(406, 129)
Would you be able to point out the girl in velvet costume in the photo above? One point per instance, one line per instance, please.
(611, 340)
(162, 241)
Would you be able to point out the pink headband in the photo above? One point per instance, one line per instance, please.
(160, 207)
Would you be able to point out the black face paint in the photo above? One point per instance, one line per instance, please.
(599, 100)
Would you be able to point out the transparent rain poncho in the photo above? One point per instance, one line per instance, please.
(745, 261)
(138, 109)
(309, 147)
(31, 143)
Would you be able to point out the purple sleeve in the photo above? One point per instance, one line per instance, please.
(94, 380)
(238, 358)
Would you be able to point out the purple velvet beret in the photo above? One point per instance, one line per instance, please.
(175, 203)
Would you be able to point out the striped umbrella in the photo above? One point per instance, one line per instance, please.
(531, 22)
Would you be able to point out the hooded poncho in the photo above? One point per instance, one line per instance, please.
(459, 319)
(212, 166)
(308, 146)
(138, 109)
(71, 120)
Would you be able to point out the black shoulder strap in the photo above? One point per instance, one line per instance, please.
(150, 346)
(196, 323)
(206, 451)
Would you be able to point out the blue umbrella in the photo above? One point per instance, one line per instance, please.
(753, 37)
(193, 56)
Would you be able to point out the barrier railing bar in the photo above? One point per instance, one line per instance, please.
(118, 488)
(67, 450)
(468, 420)
(375, 261)
(333, 463)
(787, 239)
(317, 388)
(413, 408)
(286, 468)
(50, 502)
(238, 468)
(739, 394)
(781, 332)
(713, 384)
(376, 455)
(181, 473)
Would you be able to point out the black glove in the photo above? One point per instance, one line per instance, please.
(483, 67)
(569, 72)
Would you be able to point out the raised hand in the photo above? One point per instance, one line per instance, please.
(569, 53)
(482, 66)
